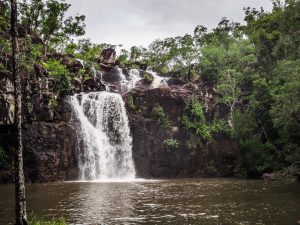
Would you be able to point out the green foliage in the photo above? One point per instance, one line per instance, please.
(4, 14)
(194, 118)
(256, 158)
(36, 221)
(61, 75)
(176, 54)
(148, 78)
(47, 20)
(171, 144)
(159, 115)
(123, 57)
(53, 103)
(88, 51)
(130, 103)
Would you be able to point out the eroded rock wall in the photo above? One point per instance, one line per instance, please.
(193, 157)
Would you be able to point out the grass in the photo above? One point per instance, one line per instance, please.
(36, 221)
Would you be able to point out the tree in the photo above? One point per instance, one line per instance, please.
(21, 217)
(47, 20)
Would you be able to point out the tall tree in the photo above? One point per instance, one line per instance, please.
(47, 20)
(21, 217)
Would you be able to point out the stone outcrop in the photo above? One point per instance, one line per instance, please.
(50, 141)
(50, 152)
(108, 56)
(6, 98)
(193, 157)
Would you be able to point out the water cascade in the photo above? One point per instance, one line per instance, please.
(128, 82)
(104, 136)
(105, 144)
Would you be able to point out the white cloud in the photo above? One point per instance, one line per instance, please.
(139, 22)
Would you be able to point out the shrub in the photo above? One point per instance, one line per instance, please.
(130, 103)
(159, 114)
(148, 78)
(53, 103)
(170, 144)
(194, 118)
(61, 74)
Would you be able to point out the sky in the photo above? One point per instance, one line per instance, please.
(139, 22)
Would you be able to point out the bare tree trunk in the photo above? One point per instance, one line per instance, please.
(21, 217)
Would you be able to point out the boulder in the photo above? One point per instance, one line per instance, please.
(112, 75)
(39, 71)
(108, 56)
(143, 66)
(92, 84)
(75, 66)
(268, 177)
(7, 108)
(6, 82)
(175, 81)
(76, 84)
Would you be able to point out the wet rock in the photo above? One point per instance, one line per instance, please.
(7, 108)
(193, 158)
(143, 66)
(6, 82)
(269, 177)
(108, 56)
(42, 110)
(50, 152)
(175, 81)
(112, 75)
(75, 66)
(92, 84)
(77, 85)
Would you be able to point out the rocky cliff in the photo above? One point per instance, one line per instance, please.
(192, 157)
(51, 146)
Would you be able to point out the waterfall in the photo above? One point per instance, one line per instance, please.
(129, 82)
(158, 81)
(104, 136)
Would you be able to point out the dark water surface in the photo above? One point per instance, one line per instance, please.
(186, 201)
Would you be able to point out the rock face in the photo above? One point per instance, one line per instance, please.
(6, 98)
(7, 108)
(108, 56)
(50, 139)
(193, 157)
(50, 152)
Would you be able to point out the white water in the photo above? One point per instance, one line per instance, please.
(158, 81)
(129, 82)
(105, 141)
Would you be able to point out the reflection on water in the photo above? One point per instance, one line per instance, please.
(183, 201)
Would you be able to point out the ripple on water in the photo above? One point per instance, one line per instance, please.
(173, 202)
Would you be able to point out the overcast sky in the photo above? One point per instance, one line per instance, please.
(139, 22)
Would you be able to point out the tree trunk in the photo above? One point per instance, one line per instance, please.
(21, 217)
